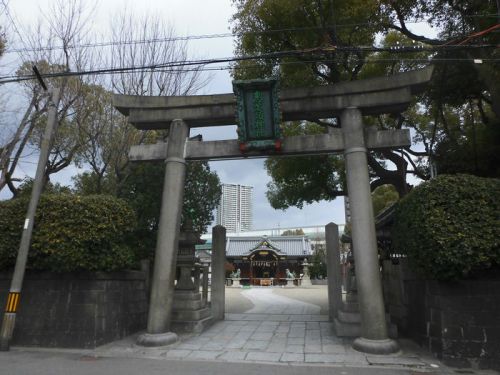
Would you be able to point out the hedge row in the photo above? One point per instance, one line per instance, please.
(450, 226)
(71, 233)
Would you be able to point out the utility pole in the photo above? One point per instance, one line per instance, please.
(14, 295)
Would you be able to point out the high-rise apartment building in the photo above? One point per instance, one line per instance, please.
(235, 208)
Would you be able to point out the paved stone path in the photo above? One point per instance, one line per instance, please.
(267, 302)
(277, 329)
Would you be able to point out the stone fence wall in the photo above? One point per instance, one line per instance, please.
(78, 310)
(457, 321)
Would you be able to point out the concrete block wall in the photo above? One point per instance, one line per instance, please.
(459, 322)
(80, 310)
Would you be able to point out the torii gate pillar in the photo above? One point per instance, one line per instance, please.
(374, 338)
(162, 292)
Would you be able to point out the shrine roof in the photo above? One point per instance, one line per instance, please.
(295, 246)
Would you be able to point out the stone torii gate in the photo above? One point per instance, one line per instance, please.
(349, 101)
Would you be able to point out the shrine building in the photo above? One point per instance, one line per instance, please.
(264, 260)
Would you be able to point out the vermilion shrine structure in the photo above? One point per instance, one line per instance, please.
(349, 102)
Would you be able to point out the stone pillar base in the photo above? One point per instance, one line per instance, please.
(306, 281)
(236, 283)
(289, 282)
(157, 339)
(386, 346)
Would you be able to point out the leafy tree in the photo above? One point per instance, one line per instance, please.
(64, 25)
(26, 187)
(304, 43)
(90, 183)
(317, 269)
(475, 151)
(2, 42)
(294, 182)
(142, 190)
(383, 197)
(467, 22)
(109, 136)
(293, 232)
(91, 133)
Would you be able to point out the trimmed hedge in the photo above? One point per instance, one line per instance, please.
(450, 226)
(71, 233)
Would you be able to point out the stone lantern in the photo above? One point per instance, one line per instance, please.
(306, 279)
(190, 314)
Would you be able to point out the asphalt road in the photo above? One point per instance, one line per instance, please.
(64, 363)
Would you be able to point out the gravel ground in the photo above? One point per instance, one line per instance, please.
(235, 302)
(317, 295)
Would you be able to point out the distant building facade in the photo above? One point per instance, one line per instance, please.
(268, 258)
(235, 209)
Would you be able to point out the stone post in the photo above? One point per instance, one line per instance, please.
(218, 272)
(333, 270)
(162, 288)
(306, 279)
(374, 337)
(204, 288)
(196, 276)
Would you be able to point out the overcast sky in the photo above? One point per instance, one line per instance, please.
(191, 17)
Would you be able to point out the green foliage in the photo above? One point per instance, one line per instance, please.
(2, 41)
(143, 191)
(26, 186)
(294, 182)
(313, 29)
(450, 226)
(383, 197)
(305, 25)
(71, 233)
(477, 152)
(89, 183)
(317, 269)
(293, 232)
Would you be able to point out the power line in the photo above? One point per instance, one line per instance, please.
(201, 65)
(193, 37)
(274, 55)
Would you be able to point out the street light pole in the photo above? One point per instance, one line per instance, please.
(14, 295)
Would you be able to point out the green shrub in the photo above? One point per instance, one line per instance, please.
(450, 226)
(71, 233)
(317, 269)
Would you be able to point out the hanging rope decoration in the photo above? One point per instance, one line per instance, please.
(264, 263)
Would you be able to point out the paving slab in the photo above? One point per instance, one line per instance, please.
(263, 356)
(396, 360)
(177, 353)
(292, 357)
(256, 344)
(203, 355)
(232, 356)
(324, 358)
(294, 349)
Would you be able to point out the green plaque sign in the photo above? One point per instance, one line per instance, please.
(259, 117)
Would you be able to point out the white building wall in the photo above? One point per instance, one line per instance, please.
(235, 208)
